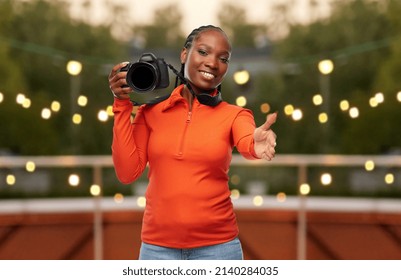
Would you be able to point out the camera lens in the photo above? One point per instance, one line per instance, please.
(142, 77)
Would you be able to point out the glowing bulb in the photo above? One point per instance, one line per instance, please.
(317, 99)
(73, 180)
(110, 111)
(55, 106)
(20, 98)
(241, 77)
(30, 166)
(354, 112)
(288, 109)
(141, 201)
(389, 178)
(281, 197)
(235, 194)
(399, 96)
(379, 97)
(323, 117)
(26, 103)
(95, 190)
(326, 179)
(297, 115)
(258, 200)
(76, 118)
(369, 165)
(102, 116)
(82, 100)
(304, 189)
(344, 105)
(46, 113)
(10, 179)
(326, 66)
(1, 97)
(74, 67)
(118, 198)
(241, 101)
(373, 102)
(265, 108)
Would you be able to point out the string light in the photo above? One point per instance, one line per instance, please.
(288, 109)
(235, 194)
(281, 197)
(95, 190)
(369, 165)
(344, 105)
(82, 100)
(118, 198)
(257, 200)
(399, 96)
(30, 166)
(55, 106)
(323, 117)
(354, 112)
(1, 97)
(297, 115)
(304, 189)
(141, 201)
(389, 178)
(317, 99)
(46, 113)
(102, 116)
(73, 180)
(10, 180)
(326, 179)
(241, 101)
(77, 118)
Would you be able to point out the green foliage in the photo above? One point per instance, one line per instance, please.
(360, 39)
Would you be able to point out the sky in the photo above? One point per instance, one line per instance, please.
(199, 12)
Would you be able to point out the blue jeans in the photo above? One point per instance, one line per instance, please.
(231, 250)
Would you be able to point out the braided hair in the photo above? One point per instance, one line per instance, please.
(193, 36)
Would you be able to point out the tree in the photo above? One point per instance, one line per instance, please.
(357, 57)
(40, 38)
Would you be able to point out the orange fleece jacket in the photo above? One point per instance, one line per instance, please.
(189, 152)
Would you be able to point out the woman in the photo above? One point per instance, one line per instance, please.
(187, 140)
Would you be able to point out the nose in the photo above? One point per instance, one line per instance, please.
(212, 62)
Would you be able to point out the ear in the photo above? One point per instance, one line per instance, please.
(183, 55)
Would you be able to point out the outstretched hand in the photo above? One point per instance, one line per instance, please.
(265, 138)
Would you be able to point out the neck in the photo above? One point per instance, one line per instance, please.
(187, 94)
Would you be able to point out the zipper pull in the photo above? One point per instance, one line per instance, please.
(189, 117)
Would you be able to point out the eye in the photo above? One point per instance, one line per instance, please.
(225, 60)
(202, 52)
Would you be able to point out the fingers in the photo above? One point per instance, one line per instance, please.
(270, 120)
(117, 81)
(270, 149)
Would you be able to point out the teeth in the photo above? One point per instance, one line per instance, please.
(207, 75)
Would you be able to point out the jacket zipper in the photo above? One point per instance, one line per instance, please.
(187, 122)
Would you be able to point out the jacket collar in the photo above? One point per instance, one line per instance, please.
(177, 97)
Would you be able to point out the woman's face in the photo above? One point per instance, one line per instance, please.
(206, 62)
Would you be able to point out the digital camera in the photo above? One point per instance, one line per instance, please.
(147, 74)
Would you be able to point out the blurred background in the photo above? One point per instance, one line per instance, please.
(330, 68)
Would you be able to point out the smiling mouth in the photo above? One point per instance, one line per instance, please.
(207, 75)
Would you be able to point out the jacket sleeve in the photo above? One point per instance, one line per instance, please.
(243, 129)
(130, 138)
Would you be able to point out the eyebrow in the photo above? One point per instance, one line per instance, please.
(225, 52)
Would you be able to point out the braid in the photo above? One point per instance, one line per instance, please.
(197, 31)
(193, 36)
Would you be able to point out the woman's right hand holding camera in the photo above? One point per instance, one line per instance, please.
(118, 83)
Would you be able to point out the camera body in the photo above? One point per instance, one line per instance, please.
(147, 74)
